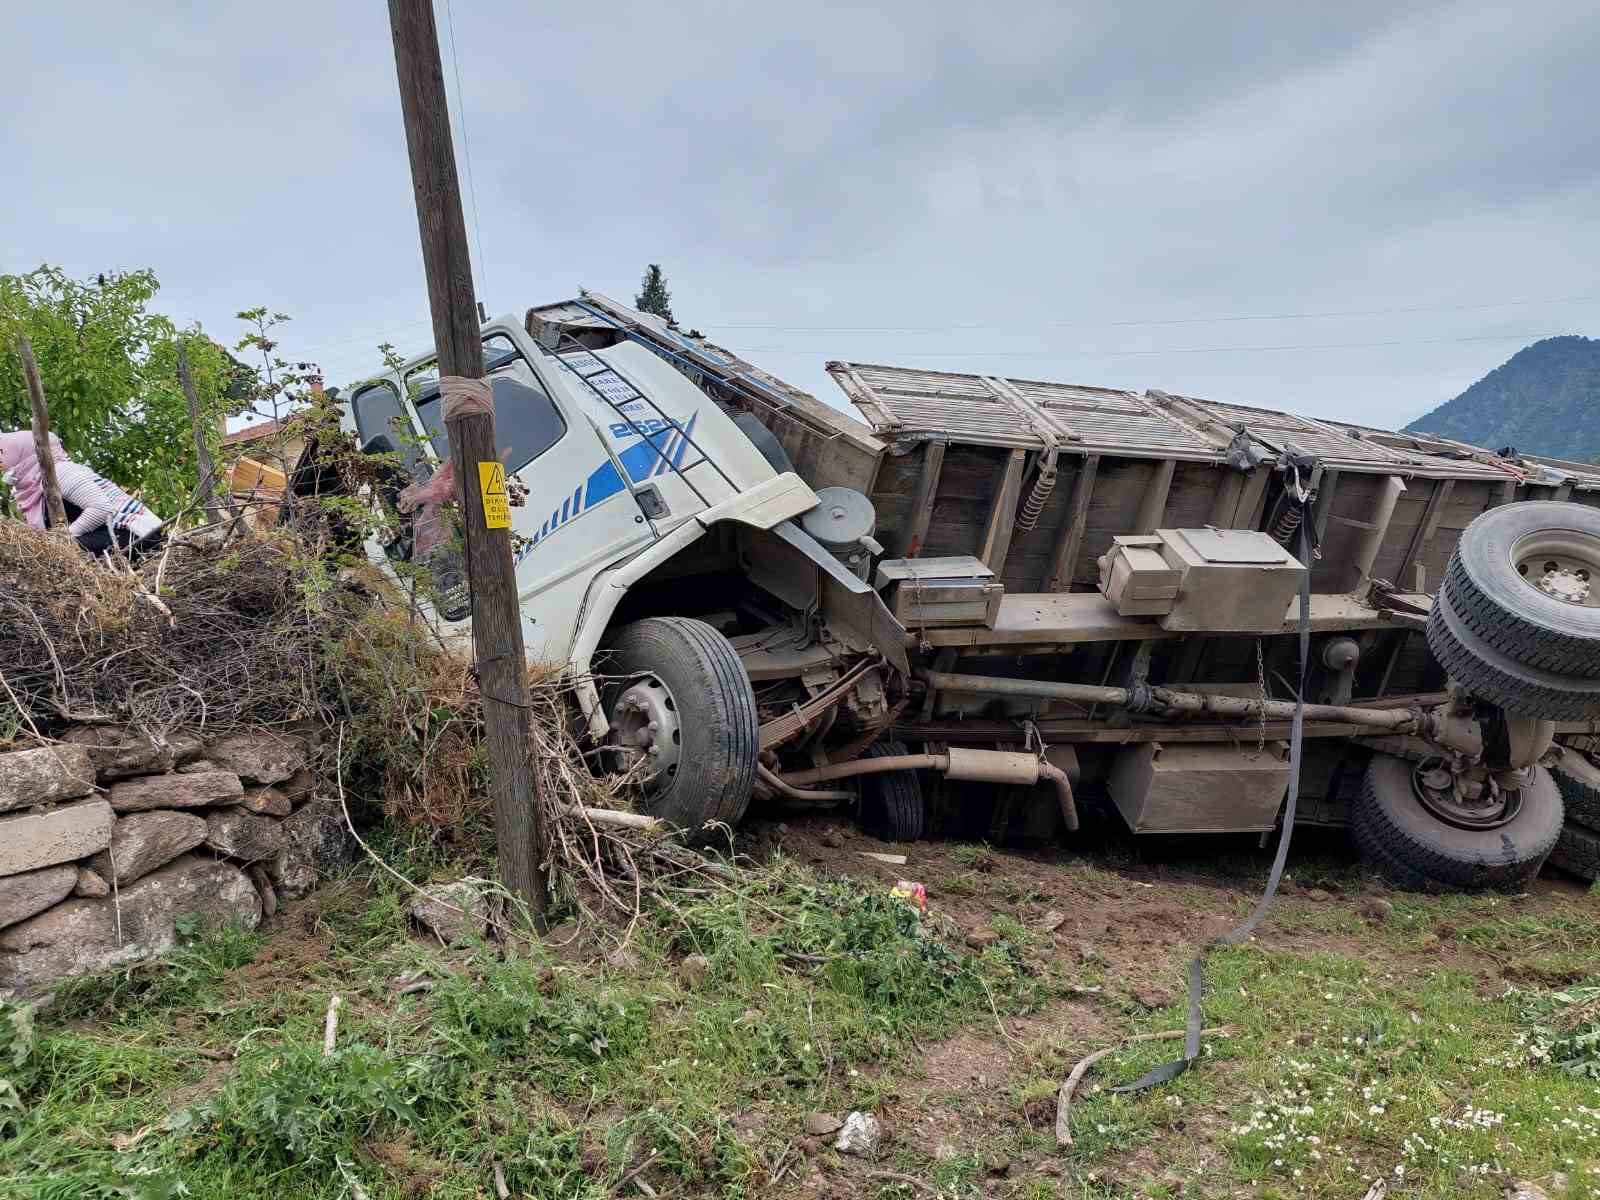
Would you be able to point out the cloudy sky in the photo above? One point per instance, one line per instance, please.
(1352, 210)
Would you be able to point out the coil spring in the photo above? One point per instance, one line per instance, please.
(1034, 504)
(1289, 518)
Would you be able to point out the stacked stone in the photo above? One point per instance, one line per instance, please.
(108, 838)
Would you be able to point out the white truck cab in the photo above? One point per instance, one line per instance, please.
(645, 517)
(617, 451)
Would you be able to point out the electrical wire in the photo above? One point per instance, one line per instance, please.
(1090, 352)
(1300, 316)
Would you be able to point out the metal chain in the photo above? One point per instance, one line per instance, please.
(1261, 712)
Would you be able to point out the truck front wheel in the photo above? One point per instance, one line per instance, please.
(683, 716)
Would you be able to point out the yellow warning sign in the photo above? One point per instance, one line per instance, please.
(492, 487)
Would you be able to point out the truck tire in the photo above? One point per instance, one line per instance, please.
(892, 805)
(1486, 658)
(1417, 850)
(685, 677)
(1524, 571)
(1579, 781)
(1578, 852)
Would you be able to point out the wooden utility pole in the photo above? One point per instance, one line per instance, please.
(41, 435)
(202, 452)
(496, 617)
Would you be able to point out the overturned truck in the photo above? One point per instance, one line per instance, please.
(997, 598)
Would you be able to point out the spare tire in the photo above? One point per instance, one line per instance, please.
(1486, 657)
(892, 806)
(1525, 570)
(1417, 849)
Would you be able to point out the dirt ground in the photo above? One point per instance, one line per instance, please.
(1130, 920)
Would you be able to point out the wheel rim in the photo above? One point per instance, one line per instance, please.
(1434, 787)
(647, 731)
(1560, 564)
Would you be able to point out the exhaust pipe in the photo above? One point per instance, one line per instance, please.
(981, 766)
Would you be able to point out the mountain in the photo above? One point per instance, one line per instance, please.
(1544, 399)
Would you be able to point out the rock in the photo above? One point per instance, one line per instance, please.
(79, 936)
(21, 896)
(456, 913)
(821, 1124)
(262, 757)
(622, 959)
(316, 844)
(1525, 1190)
(859, 1135)
(832, 838)
(44, 776)
(982, 939)
(694, 969)
(198, 789)
(1153, 995)
(56, 835)
(264, 889)
(1053, 921)
(186, 747)
(268, 801)
(91, 884)
(141, 842)
(118, 752)
(1376, 909)
(300, 786)
(244, 835)
(195, 766)
(1318, 894)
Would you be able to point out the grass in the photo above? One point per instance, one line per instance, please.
(1366, 1051)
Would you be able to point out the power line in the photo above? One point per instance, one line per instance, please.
(466, 152)
(1092, 353)
(1299, 316)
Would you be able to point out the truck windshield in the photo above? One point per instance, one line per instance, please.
(526, 420)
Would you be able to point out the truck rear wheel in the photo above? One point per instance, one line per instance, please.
(1416, 848)
(1579, 781)
(1578, 852)
(892, 805)
(683, 714)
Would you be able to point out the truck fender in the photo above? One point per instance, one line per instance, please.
(605, 594)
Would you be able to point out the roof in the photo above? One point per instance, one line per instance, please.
(907, 404)
(263, 429)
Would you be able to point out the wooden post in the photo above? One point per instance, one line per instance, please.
(1154, 505)
(496, 617)
(923, 498)
(1003, 514)
(202, 452)
(1064, 562)
(53, 507)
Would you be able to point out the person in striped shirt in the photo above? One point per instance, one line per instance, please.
(100, 514)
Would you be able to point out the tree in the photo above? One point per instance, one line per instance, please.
(654, 298)
(109, 367)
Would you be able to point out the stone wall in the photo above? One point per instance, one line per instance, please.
(108, 838)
